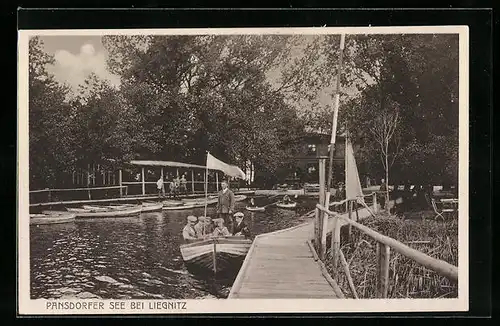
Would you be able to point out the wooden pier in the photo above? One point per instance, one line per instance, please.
(282, 265)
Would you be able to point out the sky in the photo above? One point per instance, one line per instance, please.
(76, 57)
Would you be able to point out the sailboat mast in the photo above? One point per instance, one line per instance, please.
(334, 122)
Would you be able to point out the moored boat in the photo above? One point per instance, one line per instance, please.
(152, 207)
(255, 208)
(286, 205)
(51, 217)
(194, 203)
(102, 212)
(222, 256)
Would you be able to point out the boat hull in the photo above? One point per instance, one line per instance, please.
(110, 213)
(41, 219)
(152, 207)
(230, 252)
(289, 206)
(255, 209)
(189, 204)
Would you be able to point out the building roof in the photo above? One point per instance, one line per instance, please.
(167, 164)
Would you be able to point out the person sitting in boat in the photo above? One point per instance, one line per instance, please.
(220, 230)
(200, 227)
(241, 229)
(209, 227)
(189, 233)
(286, 199)
(252, 203)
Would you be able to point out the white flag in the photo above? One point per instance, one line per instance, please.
(230, 170)
(352, 182)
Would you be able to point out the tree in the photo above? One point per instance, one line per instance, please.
(51, 138)
(384, 131)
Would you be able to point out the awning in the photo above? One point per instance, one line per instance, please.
(167, 164)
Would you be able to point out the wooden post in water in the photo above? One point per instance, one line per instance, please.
(383, 256)
(192, 180)
(217, 180)
(324, 218)
(120, 182)
(375, 205)
(143, 182)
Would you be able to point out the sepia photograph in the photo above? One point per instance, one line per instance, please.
(170, 171)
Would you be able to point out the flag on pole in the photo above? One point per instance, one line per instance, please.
(230, 170)
(352, 183)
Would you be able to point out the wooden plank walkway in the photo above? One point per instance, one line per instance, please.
(281, 265)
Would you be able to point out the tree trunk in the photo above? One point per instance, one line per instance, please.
(387, 182)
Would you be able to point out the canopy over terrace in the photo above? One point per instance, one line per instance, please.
(171, 164)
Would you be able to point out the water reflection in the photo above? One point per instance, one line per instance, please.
(130, 258)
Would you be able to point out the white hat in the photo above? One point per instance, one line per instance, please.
(238, 214)
(192, 218)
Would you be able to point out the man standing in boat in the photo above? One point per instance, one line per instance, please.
(189, 233)
(225, 204)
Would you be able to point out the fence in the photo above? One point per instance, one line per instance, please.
(383, 250)
(88, 193)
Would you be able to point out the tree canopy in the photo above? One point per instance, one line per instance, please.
(247, 97)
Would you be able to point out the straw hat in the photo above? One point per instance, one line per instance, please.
(192, 218)
(217, 220)
(238, 214)
(201, 218)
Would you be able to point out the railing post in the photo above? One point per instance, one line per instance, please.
(143, 182)
(335, 242)
(316, 229)
(49, 196)
(120, 182)
(192, 180)
(383, 256)
(323, 221)
(375, 205)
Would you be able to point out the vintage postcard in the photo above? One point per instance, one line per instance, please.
(252, 170)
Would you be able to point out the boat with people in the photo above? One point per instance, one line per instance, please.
(88, 211)
(51, 217)
(218, 255)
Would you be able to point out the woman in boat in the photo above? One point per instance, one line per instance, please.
(189, 233)
(220, 230)
(241, 229)
(200, 227)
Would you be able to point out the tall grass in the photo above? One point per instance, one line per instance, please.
(407, 279)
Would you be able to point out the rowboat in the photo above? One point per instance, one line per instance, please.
(151, 207)
(222, 256)
(286, 205)
(51, 217)
(189, 204)
(102, 212)
(255, 208)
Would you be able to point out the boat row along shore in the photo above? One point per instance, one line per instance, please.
(119, 210)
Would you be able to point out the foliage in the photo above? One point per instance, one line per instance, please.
(407, 279)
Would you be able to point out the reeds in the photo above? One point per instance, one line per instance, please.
(407, 279)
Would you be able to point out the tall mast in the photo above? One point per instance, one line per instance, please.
(334, 122)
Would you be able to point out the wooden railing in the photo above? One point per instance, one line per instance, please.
(384, 246)
(49, 193)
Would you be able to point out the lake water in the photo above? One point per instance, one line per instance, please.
(133, 258)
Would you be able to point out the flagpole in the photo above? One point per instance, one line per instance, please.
(206, 185)
(334, 123)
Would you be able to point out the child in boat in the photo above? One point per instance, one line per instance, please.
(241, 229)
(189, 233)
(209, 227)
(220, 230)
(200, 227)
